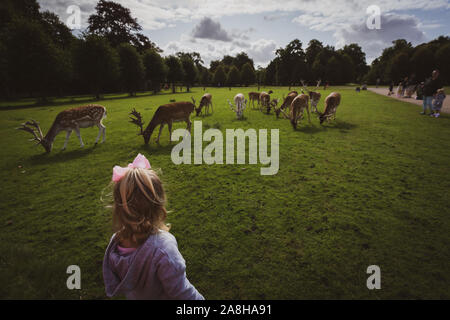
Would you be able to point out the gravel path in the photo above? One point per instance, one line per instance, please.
(384, 91)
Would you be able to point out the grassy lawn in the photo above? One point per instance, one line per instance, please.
(371, 188)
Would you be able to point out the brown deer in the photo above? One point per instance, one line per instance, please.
(252, 97)
(165, 114)
(331, 103)
(286, 102)
(205, 101)
(298, 106)
(69, 120)
(314, 96)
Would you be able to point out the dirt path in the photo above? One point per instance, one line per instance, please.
(384, 91)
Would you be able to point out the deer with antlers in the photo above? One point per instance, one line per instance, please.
(165, 114)
(287, 101)
(314, 96)
(331, 103)
(241, 103)
(205, 101)
(266, 103)
(68, 120)
(298, 106)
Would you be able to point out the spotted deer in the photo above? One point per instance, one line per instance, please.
(69, 120)
(287, 101)
(165, 114)
(240, 103)
(331, 103)
(205, 101)
(314, 96)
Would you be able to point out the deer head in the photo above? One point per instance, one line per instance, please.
(138, 120)
(197, 110)
(34, 128)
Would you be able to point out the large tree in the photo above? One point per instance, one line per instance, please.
(233, 77)
(292, 63)
(220, 77)
(115, 22)
(188, 61)
(247, 74)
(175, 72)
(131, 68)
(35, 64)
(358, 57)
(97, 64)
(155, 69)
(443, 62)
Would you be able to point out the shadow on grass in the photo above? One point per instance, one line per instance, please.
(60, 156)
(337, 124)
(81, 100)
(155, 149)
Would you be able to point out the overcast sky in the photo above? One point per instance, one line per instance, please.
(217, 27)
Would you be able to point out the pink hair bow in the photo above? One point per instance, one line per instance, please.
(139, 162)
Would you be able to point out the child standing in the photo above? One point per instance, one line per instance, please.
(437, 102)
(142, 260)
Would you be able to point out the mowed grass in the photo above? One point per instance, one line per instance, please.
(372, 188)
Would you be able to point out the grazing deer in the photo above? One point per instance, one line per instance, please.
(165, 114)
(298, 106)
(331, 103)
(314, 96)
(286, 102)
(252, 97)
(240, 102)
(205, 101)
(265, 102)
(69, 120)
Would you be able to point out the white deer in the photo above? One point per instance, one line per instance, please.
(241, 103)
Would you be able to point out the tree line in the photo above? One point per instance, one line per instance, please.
(40, 57)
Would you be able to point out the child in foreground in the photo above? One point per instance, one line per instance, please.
(437, 103)
(142, 260)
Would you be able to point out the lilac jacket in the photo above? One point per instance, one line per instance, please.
(155, 270)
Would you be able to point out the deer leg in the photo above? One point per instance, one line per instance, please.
(100, 131)
(188, 121)
(77, 131)
(309, 117)
(170, 131)
(160, 130)
(67, 139)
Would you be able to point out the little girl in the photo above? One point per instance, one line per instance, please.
(142, 260)
(437, 102)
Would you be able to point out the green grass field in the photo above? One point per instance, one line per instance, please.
(370, 188)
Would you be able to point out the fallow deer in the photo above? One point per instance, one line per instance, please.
(298, 106)
(240, 103)
(165, 114)
(286, 102)
(314, 96)
(252, 97)
(69, 120)
(331, 103)
(205, 101)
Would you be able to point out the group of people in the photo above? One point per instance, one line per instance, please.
(430, 91)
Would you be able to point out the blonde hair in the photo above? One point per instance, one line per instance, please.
(139, 206)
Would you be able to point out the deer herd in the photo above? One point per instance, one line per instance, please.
(292, 108)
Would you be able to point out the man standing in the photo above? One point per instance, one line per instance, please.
(430, 88)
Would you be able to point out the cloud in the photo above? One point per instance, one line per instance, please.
(261, 50)
(393, 27)
(208, 29)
